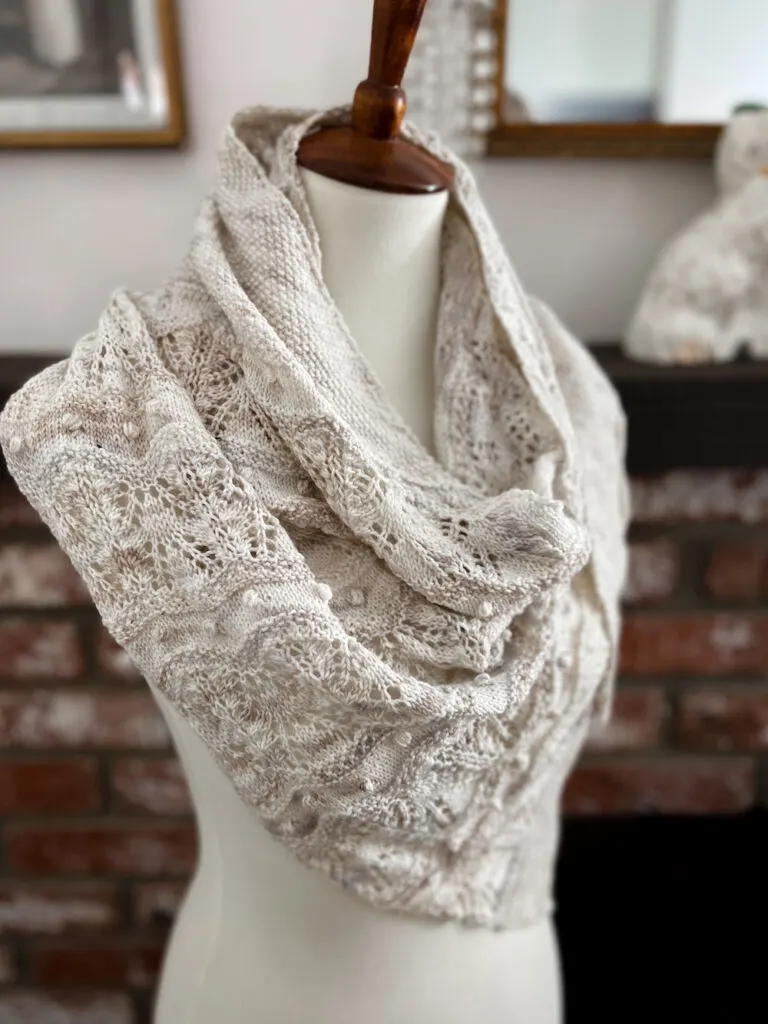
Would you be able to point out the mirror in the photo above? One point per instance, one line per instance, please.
(625, 77)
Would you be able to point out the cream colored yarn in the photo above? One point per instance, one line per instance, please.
(395, 657)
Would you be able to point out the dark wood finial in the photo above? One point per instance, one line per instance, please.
(370, 154)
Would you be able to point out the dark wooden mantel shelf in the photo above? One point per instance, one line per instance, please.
(692, 417)
(713, 416)
(16, 370)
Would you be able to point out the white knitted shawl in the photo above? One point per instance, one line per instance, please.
(394, 656)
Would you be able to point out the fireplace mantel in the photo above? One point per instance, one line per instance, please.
(712, 416)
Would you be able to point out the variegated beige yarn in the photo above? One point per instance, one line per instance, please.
(394, 656)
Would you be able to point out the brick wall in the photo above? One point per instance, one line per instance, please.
(96, 835)
(690, 728)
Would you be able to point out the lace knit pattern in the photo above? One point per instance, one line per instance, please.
(393, 655)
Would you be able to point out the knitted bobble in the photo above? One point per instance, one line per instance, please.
(323, 591)
(483, 679)
(485, 610)
(131, 430)
(454, 844)
(187, 581)
(356, 598)
(15, 444)
(403, 739)
(157, 417)
(70, 422)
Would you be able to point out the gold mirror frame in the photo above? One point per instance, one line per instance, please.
(637, 141)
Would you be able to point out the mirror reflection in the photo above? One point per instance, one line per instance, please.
(672, 61)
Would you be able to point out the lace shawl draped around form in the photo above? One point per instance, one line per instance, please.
(394, 656)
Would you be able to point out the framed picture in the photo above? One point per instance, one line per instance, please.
(89, 73)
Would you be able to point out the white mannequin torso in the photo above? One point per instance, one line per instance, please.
(260, 938)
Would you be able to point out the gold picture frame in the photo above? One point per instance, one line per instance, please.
(639, 141)
(141, 103)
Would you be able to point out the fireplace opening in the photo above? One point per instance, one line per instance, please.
(664, 919)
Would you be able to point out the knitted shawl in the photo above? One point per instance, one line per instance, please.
(393, 655)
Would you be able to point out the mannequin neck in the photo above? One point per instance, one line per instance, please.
(381, 263)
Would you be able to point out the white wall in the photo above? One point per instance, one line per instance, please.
(583, 234)
(75, 225)
(730, 36)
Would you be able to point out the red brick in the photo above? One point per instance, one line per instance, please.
(33, 649)
(738, 572)
(693, 496)
(654, 571)
(101, 849)
(15, 510)
(732, 720)
(23, 1007)
(704, 644)
(157, 903)
(672, 785)
(635, 724)
(56, 909)
(60, 786)
(154, 786)
(82, 718)
(120, 966)
(114, 661)
(8, 965)
(38, 576)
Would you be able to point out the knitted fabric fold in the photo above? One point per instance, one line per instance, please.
(394, 655)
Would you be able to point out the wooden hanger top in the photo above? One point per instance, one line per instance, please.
(370, 153)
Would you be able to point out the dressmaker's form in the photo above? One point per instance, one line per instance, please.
(260, 938)
(354, 503)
